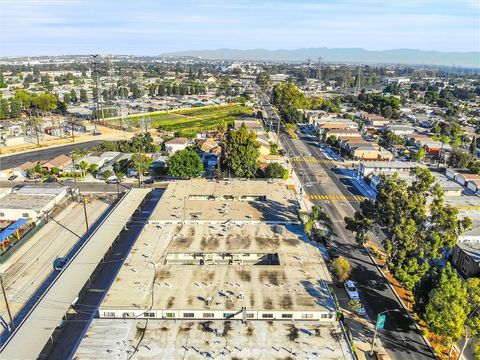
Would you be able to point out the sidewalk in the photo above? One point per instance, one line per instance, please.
(362, 333)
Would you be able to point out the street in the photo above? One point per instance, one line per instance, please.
(400, 337)
(14, 160)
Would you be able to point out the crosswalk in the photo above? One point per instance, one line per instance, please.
(337, 197)
(312, 160)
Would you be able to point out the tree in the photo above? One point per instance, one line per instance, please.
(66, 99)
(276, 171)
(141, 162)
(315, 214)
(107, 174)
(73, 96)
(185, 164)
(83, 95)
(447, 310)
(387, 111)
(241, 152)
(460, 159)
(418, 232)
(419, 155)
(3, 84)
(341, 269)
(472, 323)
(120, 175)
(83, 165)
(274, 149)
(473, 146)
(355, 305)
(93, 168)
(44, 102)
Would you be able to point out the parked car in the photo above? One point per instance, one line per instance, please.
(351, 290)
(361, 311)
(59, 263)
(113, 181)
(148, 181)
(13, 177)
(51, 180)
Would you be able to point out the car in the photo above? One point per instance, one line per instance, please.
(51, 180)
(59, 263)
(148, 181)
(113, 181)
(351, 290)
(361, 311)
(13, 177)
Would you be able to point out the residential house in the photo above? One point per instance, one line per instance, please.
(58, 162)
(399, 129)
(464, 179)
(176, 144)
(466, 256)
(366, 168)
(251, 124)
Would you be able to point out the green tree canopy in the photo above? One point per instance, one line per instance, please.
(185, 164)
(447, 310)
(241, 152)
(276, 171)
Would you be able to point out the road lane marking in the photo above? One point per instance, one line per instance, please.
(336, 197)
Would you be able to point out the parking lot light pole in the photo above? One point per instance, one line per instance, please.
(381, 317)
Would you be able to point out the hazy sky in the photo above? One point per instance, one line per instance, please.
(32, 27)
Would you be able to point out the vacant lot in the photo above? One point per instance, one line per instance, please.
(190, 121)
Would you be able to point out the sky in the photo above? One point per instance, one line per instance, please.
(152, 27)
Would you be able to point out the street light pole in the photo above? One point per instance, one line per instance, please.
(379, 325)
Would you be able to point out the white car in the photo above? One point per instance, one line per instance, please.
(361, 311)
(351, 290)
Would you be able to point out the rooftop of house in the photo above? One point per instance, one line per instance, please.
(177, 141)
(390, 164)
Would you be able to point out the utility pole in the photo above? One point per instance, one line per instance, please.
(85, 212)
(96, 98)
(320, 71)
(12, 325)
(358, 82)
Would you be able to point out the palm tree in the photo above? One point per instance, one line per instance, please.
(93, 168)
(83, 165)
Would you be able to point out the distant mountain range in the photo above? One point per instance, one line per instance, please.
(347, 55)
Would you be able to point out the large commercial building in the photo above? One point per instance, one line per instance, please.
(221, 260)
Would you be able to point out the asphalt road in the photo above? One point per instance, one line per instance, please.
(400, 337)
(10, 161)
(69, 337)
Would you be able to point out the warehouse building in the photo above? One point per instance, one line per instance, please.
(31, 202)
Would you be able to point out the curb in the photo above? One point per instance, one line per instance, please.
(403, 305)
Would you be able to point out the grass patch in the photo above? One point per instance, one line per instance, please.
(190, 121)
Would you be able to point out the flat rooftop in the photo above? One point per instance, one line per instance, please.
(25, 202)
(168, 340)
(179, 267)
(219, 201)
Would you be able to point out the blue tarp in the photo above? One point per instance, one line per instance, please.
(11, 229)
